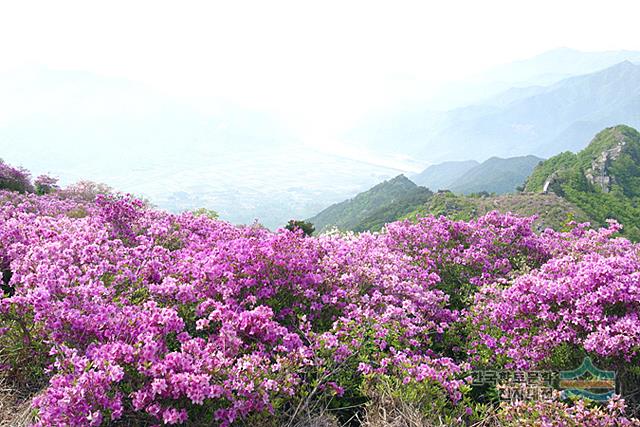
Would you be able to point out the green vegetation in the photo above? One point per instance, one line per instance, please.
(306, 227)
(392, 211)
(371, 209)
(603, 206)
(562, 161)
(211, 214)
(552, 210)
(401, 198)
(600, 182)
(603, 179)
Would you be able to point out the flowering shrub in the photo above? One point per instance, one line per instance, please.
(561, 414)
(139, 316)
(15, 179)
(588, 297)
(85, 191)
(45, 184)
(175, 316)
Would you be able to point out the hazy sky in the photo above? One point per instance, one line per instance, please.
(318, 65)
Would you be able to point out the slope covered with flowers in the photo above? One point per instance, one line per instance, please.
(116, 313)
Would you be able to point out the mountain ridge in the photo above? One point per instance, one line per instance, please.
(520, 121)
(440, 176)
(494, 175)
(392, 194)
(603, 179)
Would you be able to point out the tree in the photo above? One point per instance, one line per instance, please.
(46, 184)
(15, 179)
(298, 224)
(211, 214)
(85, 190)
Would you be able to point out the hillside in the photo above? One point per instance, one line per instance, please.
(394, 199)
(598, 183)
(442, 175)
(496, 175)
(552, 211)
(603, 179)
(388, 200)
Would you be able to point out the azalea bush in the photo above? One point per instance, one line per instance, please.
(583, 302)
(15, 179)
(139, 314)
(112, 312)
(45, 184)
(562, 414)
(589, 300)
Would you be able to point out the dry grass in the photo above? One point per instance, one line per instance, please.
(384, 410)
(320, 420)
(387, 410)
(14, 410)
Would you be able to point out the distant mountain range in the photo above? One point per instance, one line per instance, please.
(555, 65)
(600, 182)
(544, 69)
(495, 175)
(442, 175)
(395, 198)
(539, 120)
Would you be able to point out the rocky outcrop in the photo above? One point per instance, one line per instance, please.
(598, 173)
(548, 184)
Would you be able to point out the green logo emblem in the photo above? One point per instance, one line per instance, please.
(588, 381)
